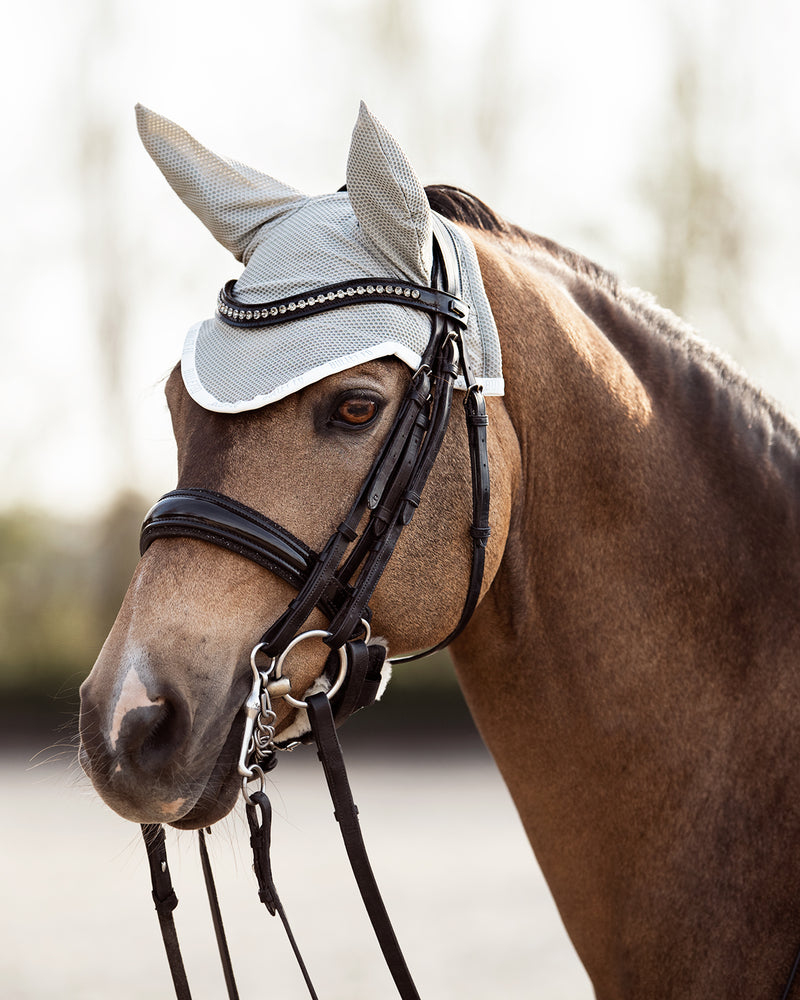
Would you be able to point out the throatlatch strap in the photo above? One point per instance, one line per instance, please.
(346, 813)
(165, 899)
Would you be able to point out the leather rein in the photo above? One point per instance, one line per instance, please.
(339, 580)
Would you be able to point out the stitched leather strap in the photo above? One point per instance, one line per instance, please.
(346, 813)
(477, 424)
(259, 819)
(165, 901)
(259, 816)
(327, 568)
(216, 919)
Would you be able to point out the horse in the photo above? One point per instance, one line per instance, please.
(633, 661)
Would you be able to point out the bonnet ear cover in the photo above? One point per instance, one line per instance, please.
(231, 199)
(293, 245)
(388, 199)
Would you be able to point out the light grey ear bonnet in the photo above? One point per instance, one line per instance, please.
(290, 243)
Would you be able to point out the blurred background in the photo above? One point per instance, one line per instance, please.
(660, 139)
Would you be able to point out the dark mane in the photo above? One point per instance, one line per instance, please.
(464, 208)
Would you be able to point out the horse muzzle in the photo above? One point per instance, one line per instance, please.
(146, 762)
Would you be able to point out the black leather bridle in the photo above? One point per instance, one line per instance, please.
(337, 581)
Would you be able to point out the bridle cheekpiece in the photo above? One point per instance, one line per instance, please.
(340, 579)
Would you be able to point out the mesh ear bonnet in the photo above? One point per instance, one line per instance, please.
(290, 244)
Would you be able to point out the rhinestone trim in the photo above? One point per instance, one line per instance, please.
(320, 300)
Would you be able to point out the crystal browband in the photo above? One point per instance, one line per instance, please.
(250, 315)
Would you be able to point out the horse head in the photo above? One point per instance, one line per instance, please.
(287, 420)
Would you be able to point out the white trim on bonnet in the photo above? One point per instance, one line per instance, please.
(200, 395)
(389, 348)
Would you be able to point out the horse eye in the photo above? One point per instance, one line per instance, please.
(356, 411)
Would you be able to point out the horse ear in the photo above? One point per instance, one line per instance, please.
(232, 200)
(388, 199)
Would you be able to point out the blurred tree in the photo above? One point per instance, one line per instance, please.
(470, 113)
(115, 554)
(700, 263)
(45, 618)
(103, 243)
(61, 585)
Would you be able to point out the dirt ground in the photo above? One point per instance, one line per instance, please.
(469, 905)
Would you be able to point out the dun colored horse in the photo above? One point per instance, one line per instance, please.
(633, 664)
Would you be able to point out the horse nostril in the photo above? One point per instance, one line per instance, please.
(151, 735)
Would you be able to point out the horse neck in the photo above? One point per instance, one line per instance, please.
(635, 665)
